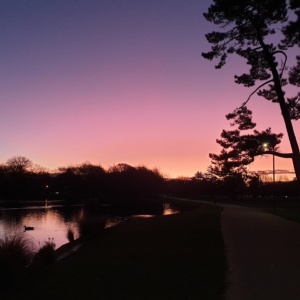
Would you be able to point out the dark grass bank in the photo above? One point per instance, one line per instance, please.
(166, 257)
(292, 214)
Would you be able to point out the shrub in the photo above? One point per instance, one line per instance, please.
(70, 235)
(15, 254)
(46, 254)
(16, 250)
(90, 225)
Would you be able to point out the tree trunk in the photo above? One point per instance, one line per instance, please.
(285, 112)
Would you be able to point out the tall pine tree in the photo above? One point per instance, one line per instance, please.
(245, 28)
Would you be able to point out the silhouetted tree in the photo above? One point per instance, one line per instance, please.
(130, 182)
(246, 27)
(234, 185)
(292, 30)
(24, 180)
(18, 178)
(239, 149)
(135, 189)
(18, 164)
(3, 182)
(254, 185)
(149, 183)
(69, 184)
(208, 183)
(94, 181)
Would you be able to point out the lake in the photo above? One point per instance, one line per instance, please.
(52, 221)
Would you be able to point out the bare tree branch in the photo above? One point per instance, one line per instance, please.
(245, 103)
(279, 154)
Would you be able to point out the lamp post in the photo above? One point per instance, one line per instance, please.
(46, 188)
(266, 145)
(273, 166)
(274, 201)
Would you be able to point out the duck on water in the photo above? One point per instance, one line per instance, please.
(28, 228)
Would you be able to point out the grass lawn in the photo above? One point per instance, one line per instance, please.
(167, 257)
(287, 213)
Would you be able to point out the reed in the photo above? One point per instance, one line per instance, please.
(70, 235)
(46, 254)
(15, 250)
(90, 226)
(15, 254)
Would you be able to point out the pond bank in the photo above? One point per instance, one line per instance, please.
(166, 257)
(68, 248)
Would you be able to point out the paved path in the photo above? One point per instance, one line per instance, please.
(263, 253)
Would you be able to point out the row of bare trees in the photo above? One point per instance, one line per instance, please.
(21, 180)
(207, 186)
(123, 185)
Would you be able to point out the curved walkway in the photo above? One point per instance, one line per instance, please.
(263, 253)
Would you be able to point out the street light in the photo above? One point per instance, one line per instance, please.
(46, 188)
(266, 145)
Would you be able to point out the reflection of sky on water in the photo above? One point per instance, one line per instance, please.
(167, 210)
(48, 223)
(53, 222)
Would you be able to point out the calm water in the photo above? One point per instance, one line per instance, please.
(53, 222)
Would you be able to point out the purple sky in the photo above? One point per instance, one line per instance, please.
(119, 81)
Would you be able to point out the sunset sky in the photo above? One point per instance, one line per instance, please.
(118, 81)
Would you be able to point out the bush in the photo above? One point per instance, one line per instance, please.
(15, 254)
(70, 235)
(90, 225)
(46, 254)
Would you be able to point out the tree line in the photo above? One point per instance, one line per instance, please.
(124, 186)
(234, 187)
(21, 180)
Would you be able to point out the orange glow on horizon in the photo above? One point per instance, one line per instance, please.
(119, 84)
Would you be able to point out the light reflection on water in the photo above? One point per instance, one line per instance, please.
(48, 222)
(167, 210)
(53, 222)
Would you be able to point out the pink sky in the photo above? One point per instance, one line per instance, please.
(118, 81)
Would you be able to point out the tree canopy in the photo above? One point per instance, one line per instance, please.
(260, 32)
(239, 150)
(18, 164)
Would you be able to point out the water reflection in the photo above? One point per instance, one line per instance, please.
(169, 210)
(53, 222)
(48, 223)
